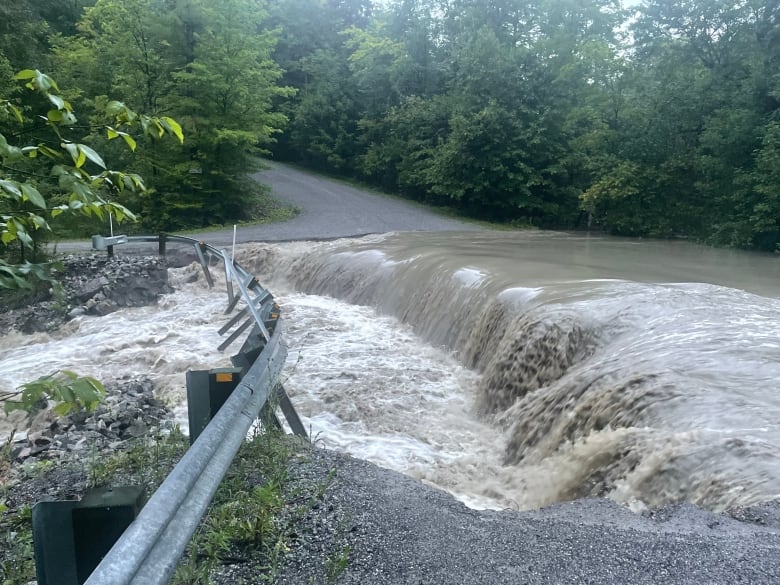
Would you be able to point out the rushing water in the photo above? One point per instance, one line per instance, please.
(647, 372)
(511, 369)
(160, 342)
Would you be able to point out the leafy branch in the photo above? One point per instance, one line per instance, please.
(24, 210)
(65, 388)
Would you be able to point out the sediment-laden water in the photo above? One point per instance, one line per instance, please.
(648, 372)
(511, 369)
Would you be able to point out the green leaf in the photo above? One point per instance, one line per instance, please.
(16, 112)
(114, 108)
(130, 141)
(40, 223)
(11, 187)
(20, 232)
(48, 151)
(173, 126)
(57, 101)
(42, 82)
(31, 194)
(25, 74)
(78, 156)
(91, 155)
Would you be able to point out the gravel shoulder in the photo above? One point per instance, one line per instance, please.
(393, 530)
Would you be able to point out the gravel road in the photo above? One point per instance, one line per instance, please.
(332, 209)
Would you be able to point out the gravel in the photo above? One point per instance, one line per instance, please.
(129, 412)
(331, 209)
(395, 530)
(91, 285)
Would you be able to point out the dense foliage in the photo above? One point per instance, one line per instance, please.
(658, 119)
(58, 175)
(207, 65)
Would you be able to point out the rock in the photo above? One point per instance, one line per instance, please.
(129, 411)
(137, 429)
(76, 312)
(38, 439)
(104, 308)
(90, 288)
(95, 285)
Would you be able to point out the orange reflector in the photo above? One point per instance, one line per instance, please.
(224, 376)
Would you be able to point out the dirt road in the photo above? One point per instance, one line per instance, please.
(331, 209)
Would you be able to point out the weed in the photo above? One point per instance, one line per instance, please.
(336, 563)
(147, 462)
(16, 556)
(36, 469)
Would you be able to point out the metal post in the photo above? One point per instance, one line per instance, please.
(148, 551)
(161, 244)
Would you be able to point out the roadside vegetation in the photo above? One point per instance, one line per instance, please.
(656, 119)
(247, 531)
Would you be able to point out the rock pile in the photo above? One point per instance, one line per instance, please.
(128, 412)
(93, 285)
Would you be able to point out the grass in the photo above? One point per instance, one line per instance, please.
(251, 521)
(146, 462)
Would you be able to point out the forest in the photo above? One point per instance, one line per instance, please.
(658, 118)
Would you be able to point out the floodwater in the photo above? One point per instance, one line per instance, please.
(521, 369)
(511, 369)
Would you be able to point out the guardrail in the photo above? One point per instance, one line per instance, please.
(148, 551)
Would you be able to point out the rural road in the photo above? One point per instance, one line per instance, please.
(331, 209)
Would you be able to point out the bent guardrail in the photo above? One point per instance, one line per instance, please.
(148, 551)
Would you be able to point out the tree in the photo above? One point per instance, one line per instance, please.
(208, 66)
(65, 165)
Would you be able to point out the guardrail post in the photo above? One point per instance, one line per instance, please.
(161, 244)
(71, 537)
(207, 391)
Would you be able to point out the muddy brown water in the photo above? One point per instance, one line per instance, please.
(644, 371)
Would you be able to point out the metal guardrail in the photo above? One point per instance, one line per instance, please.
(148, 552)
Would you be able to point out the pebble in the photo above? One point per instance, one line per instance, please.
(107, 428)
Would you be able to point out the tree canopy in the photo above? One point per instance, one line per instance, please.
(659, 120)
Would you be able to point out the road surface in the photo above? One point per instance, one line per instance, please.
(331, 209)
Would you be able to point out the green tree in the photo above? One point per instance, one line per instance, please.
(208, 66)
(64, 165)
